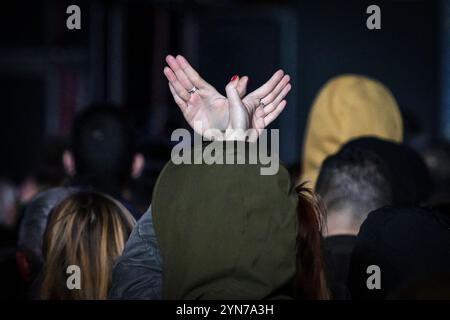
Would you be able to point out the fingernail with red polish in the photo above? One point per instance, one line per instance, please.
(233, 78)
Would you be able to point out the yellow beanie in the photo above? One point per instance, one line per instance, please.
(347, 107)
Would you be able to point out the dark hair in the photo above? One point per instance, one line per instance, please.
(353, 180)
(310, 281)
(103, 145)
(404, 169)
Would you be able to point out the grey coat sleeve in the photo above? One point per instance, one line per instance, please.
(137, 274)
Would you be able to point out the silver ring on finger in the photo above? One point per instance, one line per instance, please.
(261, 103)
(194, 88)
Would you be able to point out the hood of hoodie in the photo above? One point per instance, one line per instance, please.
(224, 230)
(348, 107)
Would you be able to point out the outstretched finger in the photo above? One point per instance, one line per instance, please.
(191, 73)
(180, 102)
(267, 87)
(179, 72)
(277, 90)
(173, 80)
(271, 106)
(273, 115)
(242, 86)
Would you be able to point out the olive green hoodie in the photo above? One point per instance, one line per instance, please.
(224, 230)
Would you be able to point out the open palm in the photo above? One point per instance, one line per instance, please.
(206, 108)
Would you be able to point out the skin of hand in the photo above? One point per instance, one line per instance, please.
(206, 106)
(239, 117)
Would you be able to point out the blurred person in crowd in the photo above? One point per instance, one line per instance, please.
(102, 157)
(366, 174)
(348, 107)
(351, 184)
(28, 189)
(103, 151)
(156, 155)
(48, 173)
(404, 168)
(8, 205)
(87, 230)
(253, 236)
(401, 253)
(11, 284)
(244, 235)
(248, 236)
(436, 154)
(31, 231)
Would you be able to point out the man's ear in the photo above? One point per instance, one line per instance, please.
(137, 166)
(68, 163)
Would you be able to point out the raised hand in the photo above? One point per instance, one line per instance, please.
(267, 102)
(205, 106)
(211, 109)
(239, 127)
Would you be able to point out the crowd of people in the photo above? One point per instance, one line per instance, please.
(367, 217)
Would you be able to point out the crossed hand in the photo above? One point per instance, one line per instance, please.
(204, 108)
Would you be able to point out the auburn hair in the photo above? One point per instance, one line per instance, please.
(88, 230)
(310, 281)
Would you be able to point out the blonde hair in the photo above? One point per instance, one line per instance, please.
(88, 230)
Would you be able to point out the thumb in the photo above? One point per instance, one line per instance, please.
(242, 86)
(232, 92)
(238, 116)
